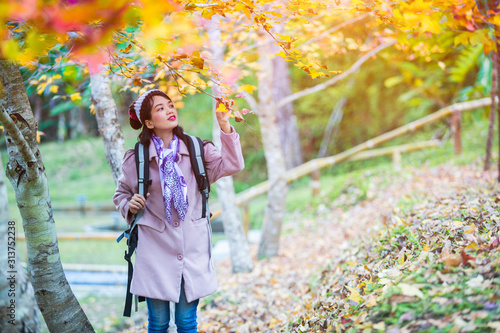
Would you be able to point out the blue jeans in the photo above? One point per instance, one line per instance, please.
(185, 314)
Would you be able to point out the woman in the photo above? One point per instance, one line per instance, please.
(173, 257)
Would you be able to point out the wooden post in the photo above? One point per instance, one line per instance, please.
(315, 182)
(456, 130)
(396, 159)
(246, 218)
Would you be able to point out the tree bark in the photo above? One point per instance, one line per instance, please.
(494, 84)
(287, 121)
(108, 123)
(23, 314)
(241, 259)
(276, 198)
(26, 173)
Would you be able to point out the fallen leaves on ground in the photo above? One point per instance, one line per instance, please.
(432, 266)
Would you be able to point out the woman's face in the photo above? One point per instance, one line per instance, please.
(163, 115)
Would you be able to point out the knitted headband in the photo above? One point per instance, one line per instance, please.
(138, 104)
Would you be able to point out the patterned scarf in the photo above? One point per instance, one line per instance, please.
(174, 185)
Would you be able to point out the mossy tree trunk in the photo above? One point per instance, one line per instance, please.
(26, 172)
(18, 309)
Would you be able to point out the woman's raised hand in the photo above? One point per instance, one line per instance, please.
(137, 203)
(223, 117)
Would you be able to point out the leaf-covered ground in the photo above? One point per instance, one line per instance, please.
(418, 250)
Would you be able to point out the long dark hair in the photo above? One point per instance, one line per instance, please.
(145, 114)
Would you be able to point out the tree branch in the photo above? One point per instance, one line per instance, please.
(333, 29)
(250, 100)
(19, 141)
(337, 78)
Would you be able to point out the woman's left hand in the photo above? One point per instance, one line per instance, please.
(223, 117)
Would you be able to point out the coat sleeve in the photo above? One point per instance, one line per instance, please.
(229, 161)
(127, 186)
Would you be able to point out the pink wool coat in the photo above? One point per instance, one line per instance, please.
(166, 253)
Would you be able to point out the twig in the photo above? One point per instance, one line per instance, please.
(334, 80)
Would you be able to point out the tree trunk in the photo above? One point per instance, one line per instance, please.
(61, 128)
(333, 121)
(241, 259)
(494, 84)
(18, 309)
(26, 173)
(287, 121)
(276, 197)
(38, 102)
(82, 126)
(73, 123)
(108, 123)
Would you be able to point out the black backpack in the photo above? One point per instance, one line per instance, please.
(195, 148)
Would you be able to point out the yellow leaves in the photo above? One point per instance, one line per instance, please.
(482, 37)
(471, 229)
(248, 88)
(402, 258)
(355, 296)
(472, 246)
(10, 49)
(159, 75)
(157, 61)
(410, 290)
(41, 88)
(208, 13)
(430, 25)
(463, 38)
(222, 108)
(75, 96)
(54, 89)
(314, 73)
(393, 81)
(197, 61)
(243, 8)
(38, 136)
(495, 19)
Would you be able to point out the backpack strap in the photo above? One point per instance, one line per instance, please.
(142, 166)
(196, 154)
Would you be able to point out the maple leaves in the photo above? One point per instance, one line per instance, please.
(462, 18)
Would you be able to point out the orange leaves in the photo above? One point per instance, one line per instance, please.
(197, 61)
